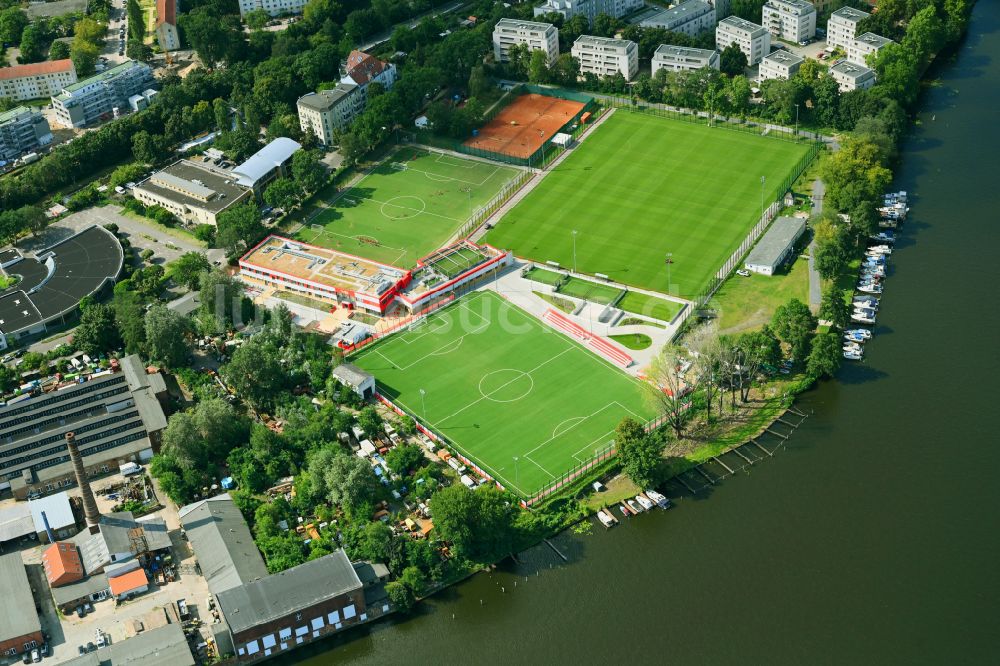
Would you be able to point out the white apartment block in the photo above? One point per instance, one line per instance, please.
(22, 130)
(327, 112)
(683, 58)
(752, 39)
(780, 65)
(103, 96)
(691, 17)
(589, 8)
(272, 7)
(852, 76)
(864, 46)
(536, 36)
(842, 27)
(604, 56)
(37, 80)
(791, 20)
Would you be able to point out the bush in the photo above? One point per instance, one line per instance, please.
(205, 233)
(146, 254)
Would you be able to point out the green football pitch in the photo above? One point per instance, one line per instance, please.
(641, 186)
(407, 207)
(524, 402)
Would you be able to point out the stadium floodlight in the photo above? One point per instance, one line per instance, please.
(574, 250)
(515, 470)
(669, 260)
(423, 404)
(762, 179)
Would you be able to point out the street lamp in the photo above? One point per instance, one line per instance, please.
(423, 404)
(574, 250)
(515, 470)
(669, 260)
(762, 197)
(796, 120)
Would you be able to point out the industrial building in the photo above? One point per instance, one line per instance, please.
(20, 628)
(113, 417)
(37, 80)
(53, 282)
(754, 40)
(842, 28)
(22, 130)
(776, 245)
(356, 379)
(866, 45)
(103, 96)
(604, 56)
(163, 646)
(791, 20)
(589, 8)
(192, 191)
(779, 65)
(691, 17)
(536, 36)
(851, 76)
(683, 58)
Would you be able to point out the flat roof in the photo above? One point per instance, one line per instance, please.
(519, 23)
(265, 160)
(602, 41)
(281, 594)
(850, 13)
(785, 58)
(322, 265)
(222, 543)
(15, 522)
(741, 23)
(17, 612)
(13, 114)
(55, 279)
(39, 9)
(57, 508)
(324, 100)
(103, 76)
(669, 49)
(798, 4)
(872, 39)
(163, 646)
(776, 241)
(192, 184)
(681, 12)
(851, 69)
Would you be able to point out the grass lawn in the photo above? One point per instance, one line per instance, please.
(500, 385)
(634, 341)
(590, 291)
(407, 207)
(642, 186)
(745, 303)
(563, 304)
(543, 276)
(637, 302)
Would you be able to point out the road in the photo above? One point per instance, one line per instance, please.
(412, 23)
(815, 286)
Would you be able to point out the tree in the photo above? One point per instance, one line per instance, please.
(136, 20)
(8, 379)
(832, 252)
(257, 19)
(167, 334)
(146, 147)
(239, 228)
(283, 193)
(256, 373)
(794, 324)
(130, 317)
(187, 269)
(84, 55)
(479, 523)
(404, 459)
(344, 480)
(352, 147)
(33, 218)
(605, 25)
(97, 331)
(413, 578)
(538, 67)
(834, 308)
(479, 83)
(639, 452)
(732, 60)
(307, 170)
(211, 38)
(399, 595)
(33, 42)
(127, 173)
(136, 49)
(824, 356)
(666, 388)
(222, 301)
(13, 21)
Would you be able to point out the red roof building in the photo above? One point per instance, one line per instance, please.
(62, 563)
(363, 68)
(36, 69)
(129, 583)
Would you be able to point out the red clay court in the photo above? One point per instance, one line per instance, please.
(524, 126)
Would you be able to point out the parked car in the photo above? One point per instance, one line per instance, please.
(743, 272)
(36, 656)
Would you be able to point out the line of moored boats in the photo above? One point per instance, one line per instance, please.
(645, 501)
(871, 279)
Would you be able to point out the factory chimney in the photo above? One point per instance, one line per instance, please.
(89, 503)
(48, 529)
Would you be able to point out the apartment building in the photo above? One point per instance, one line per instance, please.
(327, 112)
(683, 58)
(780, 65)
(791, 20)
(589, 8)
(754, 40)
(166, 25)
(534, 35)
(272, 7)
(691, 17)
(604, 56)
(842, 28)
(37, 80)
(852, 76)
(103, 96)
(866, 45)
(22, 130)
(362, 70)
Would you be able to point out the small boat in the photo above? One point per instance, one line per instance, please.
(863, 333)
(851, 346)
(661, 500)
(853, 356)
(606, 520)
(865, 302)
(862, 319)
(867, 312)
(644, 502)
(870, 288)
(884, 237)
(635, 508)
(881, 249)
(854, 337)
(625, 510)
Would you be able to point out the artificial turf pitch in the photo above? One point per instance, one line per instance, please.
(641, 186)
(407, 207)
(499, 384)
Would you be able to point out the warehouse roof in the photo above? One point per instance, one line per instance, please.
(351, 374)
(58, 511)
(191, 184)
(265, 160)
(163, 646)
(15, 522)
(67, 594)
(281, 594)
(777, 239)
(222, 542)
(17, 612)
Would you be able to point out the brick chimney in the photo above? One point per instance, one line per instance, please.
(89, 503)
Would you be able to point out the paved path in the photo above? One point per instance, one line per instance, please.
(815, 285)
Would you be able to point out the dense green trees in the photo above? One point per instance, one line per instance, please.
(167, 336)
(824, 355)
(480, 523)
(98, 331)
(239, 228)
(732, 60)
(187, 269)
(640, 453)
(795, 325)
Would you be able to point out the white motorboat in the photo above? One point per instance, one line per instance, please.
(854, 337)
(606, 520)
(644, 502)
(866, 301)
(853, 356)
(870, 288)
(864, 333)
(862, 319)
(881, 249)
(661, 500)
(635, 507)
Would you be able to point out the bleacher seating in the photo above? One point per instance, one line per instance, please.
(595, 342)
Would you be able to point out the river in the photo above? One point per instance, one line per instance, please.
(873, 537)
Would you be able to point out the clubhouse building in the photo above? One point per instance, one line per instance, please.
(348, 281)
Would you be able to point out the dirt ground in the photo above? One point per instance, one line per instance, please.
(524, 126)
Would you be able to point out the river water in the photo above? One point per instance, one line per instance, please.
(872, 537)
